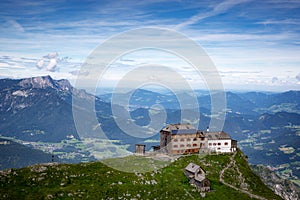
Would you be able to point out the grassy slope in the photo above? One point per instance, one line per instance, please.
(97, 181)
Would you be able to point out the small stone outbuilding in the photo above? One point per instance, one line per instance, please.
(196, 176)
(140, 148)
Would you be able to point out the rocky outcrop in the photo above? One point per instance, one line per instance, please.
(282, 187)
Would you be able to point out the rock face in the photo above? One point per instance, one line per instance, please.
(39, 108)
(38, 82)
(43, 109)
(284, 188)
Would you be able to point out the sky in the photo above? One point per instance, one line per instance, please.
(254, 45)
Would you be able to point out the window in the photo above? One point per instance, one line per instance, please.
(202, 139)
(209, 144)
(175, 146)
(226, 143)
(219, 148)
(195, 139)
(181, 145)
(175, 140)
(182, 140)
(219, 144)
(194, 145)
(214, 144)
(189, 139)
(188, 145)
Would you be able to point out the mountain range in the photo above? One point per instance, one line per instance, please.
(39, 111)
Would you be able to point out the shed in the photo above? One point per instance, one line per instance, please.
(195, 170)
(140, 148)
(196, 176)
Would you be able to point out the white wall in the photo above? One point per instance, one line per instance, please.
(220, 145)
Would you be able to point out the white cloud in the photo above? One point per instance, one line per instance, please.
(52, 65)
(280, 22)
(238, 50)
(237, 37)
(15, 25)
(40, 64)
(217, 9)
(24, 67)
(49, 62)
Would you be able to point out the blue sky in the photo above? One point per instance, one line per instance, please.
(255, 45)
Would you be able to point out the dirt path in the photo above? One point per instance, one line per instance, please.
(232, 163)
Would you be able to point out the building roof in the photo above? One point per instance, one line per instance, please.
(199, 178)
(184, 131)
(192, 168)
(140, 145)
(180, 129)
(217, 135)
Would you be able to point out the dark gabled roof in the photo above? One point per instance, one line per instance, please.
(199, 178)
(180, 129)
(192, 167)
(140, 145)
(184, 131)
(217, 135)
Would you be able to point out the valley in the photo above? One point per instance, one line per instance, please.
(37, 113)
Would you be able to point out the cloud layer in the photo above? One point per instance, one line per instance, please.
(239, 35)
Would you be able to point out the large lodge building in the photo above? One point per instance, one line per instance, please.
(184, 138)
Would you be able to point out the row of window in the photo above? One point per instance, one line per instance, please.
(188, 139)
(188, 145)
(215, 144)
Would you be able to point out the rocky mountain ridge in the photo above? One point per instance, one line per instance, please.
(282, 187)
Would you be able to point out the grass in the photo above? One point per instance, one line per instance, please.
(134, 163)
(255, 184)
(96, 180)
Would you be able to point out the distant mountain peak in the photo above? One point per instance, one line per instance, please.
(45, 82)
(37, 82)
(64, 84)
